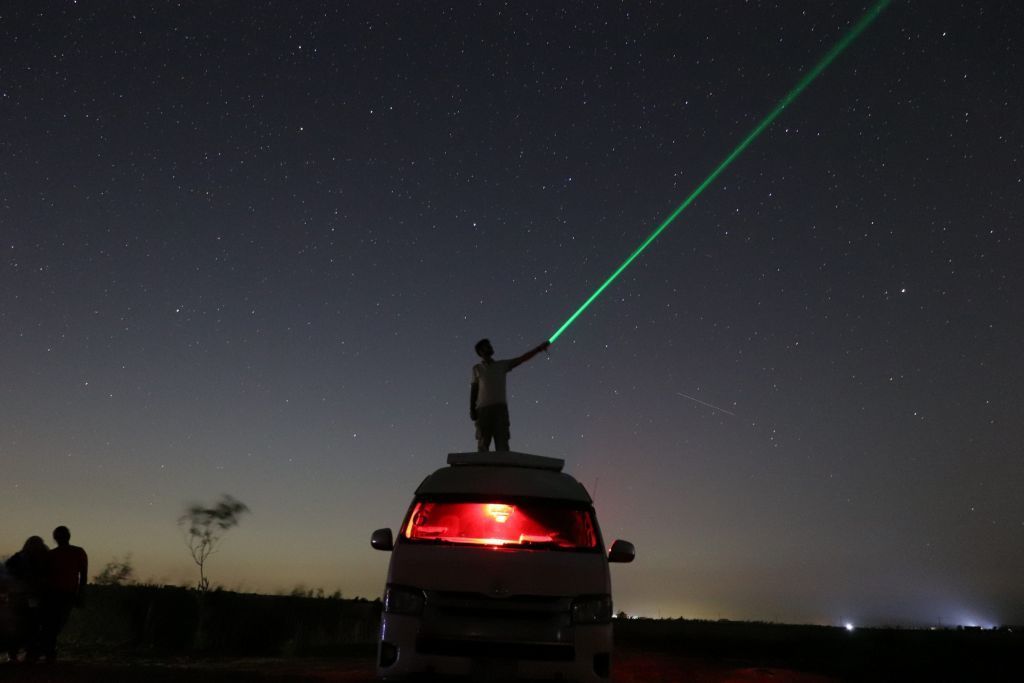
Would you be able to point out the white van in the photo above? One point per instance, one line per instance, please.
(498, 571)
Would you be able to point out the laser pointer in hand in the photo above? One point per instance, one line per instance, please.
(838, 48)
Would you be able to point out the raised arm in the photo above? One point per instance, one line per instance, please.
(529, 354)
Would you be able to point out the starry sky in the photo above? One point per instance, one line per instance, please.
(247, 248)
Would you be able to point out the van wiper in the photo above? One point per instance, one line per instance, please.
(527, 543)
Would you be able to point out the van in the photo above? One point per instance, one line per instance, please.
(498, 571)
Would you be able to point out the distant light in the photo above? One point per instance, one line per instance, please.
(849, 627)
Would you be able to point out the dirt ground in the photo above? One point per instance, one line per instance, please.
(629, 667)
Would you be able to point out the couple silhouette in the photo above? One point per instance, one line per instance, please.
(45, 585)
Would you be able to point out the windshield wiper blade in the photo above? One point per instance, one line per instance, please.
(539, 544)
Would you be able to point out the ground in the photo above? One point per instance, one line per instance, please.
(631, 666)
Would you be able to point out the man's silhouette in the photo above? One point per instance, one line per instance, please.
(69, 572)
(488, 407)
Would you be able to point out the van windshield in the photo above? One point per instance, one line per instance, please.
(525, 524)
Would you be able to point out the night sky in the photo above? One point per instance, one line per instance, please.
(247, 248)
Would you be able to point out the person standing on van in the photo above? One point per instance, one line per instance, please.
(69, 573)
(488, 407)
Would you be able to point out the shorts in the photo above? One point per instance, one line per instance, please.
(492, 423)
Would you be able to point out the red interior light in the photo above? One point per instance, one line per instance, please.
(499, 512)
(527, 524)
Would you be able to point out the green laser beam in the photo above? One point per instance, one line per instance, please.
(850, 36)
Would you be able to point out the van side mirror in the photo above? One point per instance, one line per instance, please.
(622, 551)
(382, 540)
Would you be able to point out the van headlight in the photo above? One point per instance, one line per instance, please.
(403, 600)
(592, 609)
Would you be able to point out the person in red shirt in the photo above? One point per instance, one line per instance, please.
(69, 572)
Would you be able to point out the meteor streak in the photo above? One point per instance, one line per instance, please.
(697, 400)
(850, 36)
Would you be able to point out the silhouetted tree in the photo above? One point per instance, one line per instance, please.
(116, 572)
(204, 528)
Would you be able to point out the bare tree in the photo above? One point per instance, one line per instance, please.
(205, 526)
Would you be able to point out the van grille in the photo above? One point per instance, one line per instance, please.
(511, 607)
(540, 652)
(529, 627)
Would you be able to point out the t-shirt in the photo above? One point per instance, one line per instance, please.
(67, 564)
(490, 380)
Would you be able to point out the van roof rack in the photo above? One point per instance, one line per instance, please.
(506, 459)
